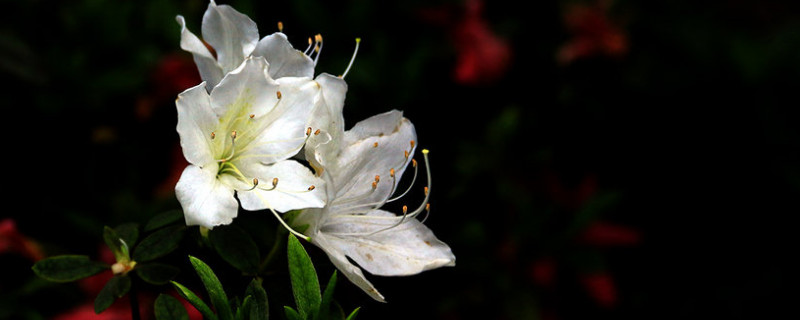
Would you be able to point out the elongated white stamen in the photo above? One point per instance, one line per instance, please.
(410, 186)
(353, 58)
(422, 207)
(310, 45)
(285, 225)
(319, 48)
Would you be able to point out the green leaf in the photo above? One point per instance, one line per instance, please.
(236, 247)
(118, 246)
(156, 273)
(129, 232)
(159, 243)
(168, 308)
(114, 289)
(214, 288)
(259, 307)
(291, 314)
(163, 219)
(327, 297)
(244, 309)
(353, 315)
(68, 268)
(305, 284)
(195, 301)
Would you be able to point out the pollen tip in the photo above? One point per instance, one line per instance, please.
(312, 187)
(426, 190)
(375, 145)
(280, 26)
(255, 181)
(377, 178)
(316, 133)
(274, 181)
(374, 185)
(391, 172)
(412, 143)
(279, 94)
(414, 162)
(425, 151)
(428, 207)
(252, 116)
(405, 209)
(308, 131)
(233, 134)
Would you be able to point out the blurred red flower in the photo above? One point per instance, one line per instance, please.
(12, 241)
(601, 288)
(593, 33)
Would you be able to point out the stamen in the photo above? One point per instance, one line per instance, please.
(414, 163)
(274, 185)
(312, 187)
(318, 49)
(252, 116)
(353, 58)
(377, 178)
(279, 94)
(406, 154)
(375, 145)
(316, 133)
(391, 172)
(280, 26)
(412, 143)
(255, 184)
(308, 50)
(213, 135)
(308, 131)
(426, 190)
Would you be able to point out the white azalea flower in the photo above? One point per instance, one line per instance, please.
(234, 37)
(237, 140)
(361, 177)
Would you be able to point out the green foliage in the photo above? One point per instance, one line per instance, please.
(214, 288)
(311, 305)
(259, 307)
(66, 268)
(163, 219)
(156, 273)
(195, 301)
(159, 243)
(305, 284)
(168, 308)
(236, 247)
(114, 289)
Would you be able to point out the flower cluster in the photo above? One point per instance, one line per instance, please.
(262, 129)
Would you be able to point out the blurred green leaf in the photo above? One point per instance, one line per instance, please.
(236, 247)
(159, 243)
(259, 307)
(68, 268)
(129, 232)
(118, 246)
(305, 284)
(168, 308)
(353, 314)
(195, 301)
(214, 288)
(244, 309)
(156, 273)
(114, 289)
(327, 298)
(163, 219)
(291, 314)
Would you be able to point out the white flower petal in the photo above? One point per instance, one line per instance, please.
(284, 60)
(328, 118)
(207, 65)
(196, 122)
(284, 131)
(245, 91)
(352, 272)
(407, 249)
(371, 148)
(292, 191)
(232, 34)
(205, 200)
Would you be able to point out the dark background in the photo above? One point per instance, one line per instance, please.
(619, 159)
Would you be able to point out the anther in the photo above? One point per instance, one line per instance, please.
(414, 162)
(312, 187)
(316, 133)
(377, 178)
(252, 116)
(255, 182)
(426, 190)
(279, 94)
(375, 145)
(213, 135)
(233, 134)
(308, 131)
(374, 185)
(391, 172)
(428, 207)
(412, 143)
(406, 153)
(274, 182)
(280, 26)
(405, 209)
